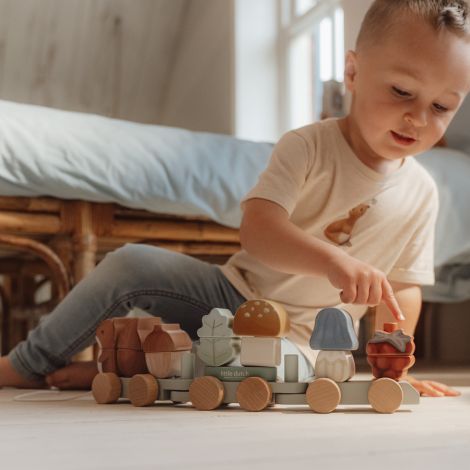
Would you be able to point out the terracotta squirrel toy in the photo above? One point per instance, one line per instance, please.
(120, 345)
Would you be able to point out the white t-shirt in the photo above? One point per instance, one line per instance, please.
(385, 221)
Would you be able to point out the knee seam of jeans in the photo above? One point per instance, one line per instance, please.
(196, 303)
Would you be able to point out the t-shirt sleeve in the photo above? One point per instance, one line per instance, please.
(285, 175)
(416, 262)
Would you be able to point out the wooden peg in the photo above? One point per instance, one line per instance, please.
(106, 388)
(143, 390)
(254, 394)
(206, 393)
(385, 395)
(323, 395)
(291, 368)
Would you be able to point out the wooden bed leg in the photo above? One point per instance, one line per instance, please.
(85, 246)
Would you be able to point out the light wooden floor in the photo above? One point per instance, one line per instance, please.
(78, 434)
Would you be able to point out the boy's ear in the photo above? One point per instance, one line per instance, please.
(350, 70)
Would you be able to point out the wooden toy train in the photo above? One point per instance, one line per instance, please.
(145, 360)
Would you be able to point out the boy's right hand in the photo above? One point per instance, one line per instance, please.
(362, 284)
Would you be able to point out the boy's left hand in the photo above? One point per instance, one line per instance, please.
(429, 388)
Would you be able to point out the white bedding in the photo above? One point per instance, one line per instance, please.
(46, 152)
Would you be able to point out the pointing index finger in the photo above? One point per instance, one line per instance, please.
(390, 301)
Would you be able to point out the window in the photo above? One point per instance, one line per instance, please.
(312, 57)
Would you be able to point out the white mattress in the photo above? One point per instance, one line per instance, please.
(47, 152)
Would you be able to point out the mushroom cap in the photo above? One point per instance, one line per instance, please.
(334, 331)
(261, 318)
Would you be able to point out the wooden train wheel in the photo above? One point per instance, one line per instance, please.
(323, 395)
(106, 388)
(385, 395)
(206, 393)
(143, 389)
(254, 394)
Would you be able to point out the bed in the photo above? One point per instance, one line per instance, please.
(74, 186)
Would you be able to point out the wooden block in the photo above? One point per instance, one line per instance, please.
(261, 318)
(260, 351)
(237, 373)
(335, 365)
(106, 388)
(143, 390)
(164, 364)
(217, 323)
(254, 394)
(218, 351)
(206, 393)
(385, 395)
(291, 368)
(323, 395)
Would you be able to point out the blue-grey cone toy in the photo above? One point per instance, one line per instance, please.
(334, 331)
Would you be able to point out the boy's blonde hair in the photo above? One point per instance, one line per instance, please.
(451, 15)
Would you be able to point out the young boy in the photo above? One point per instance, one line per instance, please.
(342, 215)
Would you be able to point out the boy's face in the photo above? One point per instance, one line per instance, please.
(406, 90)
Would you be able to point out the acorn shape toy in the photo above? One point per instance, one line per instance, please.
(390, 352)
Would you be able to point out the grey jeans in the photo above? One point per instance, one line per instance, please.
(177, 288)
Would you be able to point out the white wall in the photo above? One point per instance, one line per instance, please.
(354, 11)
(199, 89)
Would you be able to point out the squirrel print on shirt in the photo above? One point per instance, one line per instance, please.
(340, 232)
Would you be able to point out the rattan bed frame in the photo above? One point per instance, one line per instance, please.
(61, 240)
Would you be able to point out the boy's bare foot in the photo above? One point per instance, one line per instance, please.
(9, 377)
(76, 376)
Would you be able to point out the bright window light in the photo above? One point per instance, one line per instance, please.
(301, 83)
(314, 46)
(302, 6)
(339, 44)
(326, 50)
